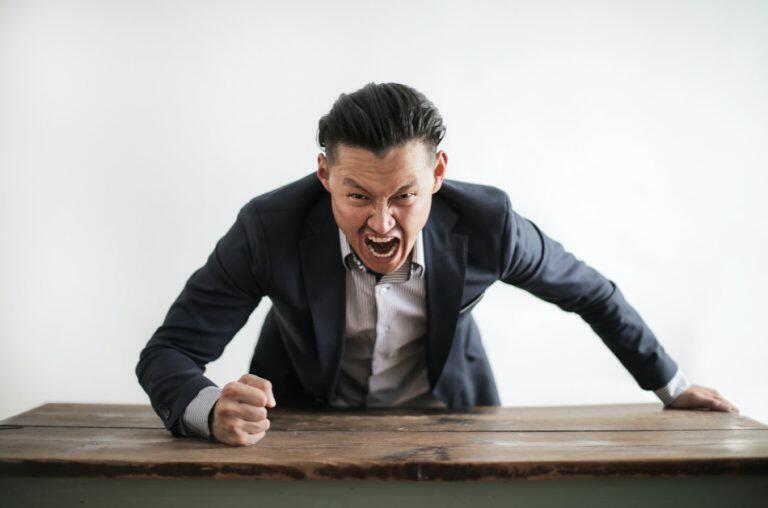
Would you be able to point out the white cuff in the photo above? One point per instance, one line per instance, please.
(195, 419)
(677, 385)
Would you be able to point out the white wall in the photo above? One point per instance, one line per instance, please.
(632, 132)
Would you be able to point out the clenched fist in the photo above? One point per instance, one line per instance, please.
(240, 414)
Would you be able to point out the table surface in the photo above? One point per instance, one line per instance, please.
(482, 443)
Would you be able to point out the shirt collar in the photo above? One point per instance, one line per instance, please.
(351, 260)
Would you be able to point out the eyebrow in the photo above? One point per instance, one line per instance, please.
(351, 183)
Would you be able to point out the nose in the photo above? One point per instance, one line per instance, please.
(381, 221)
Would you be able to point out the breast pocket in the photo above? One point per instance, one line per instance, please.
(468, 307)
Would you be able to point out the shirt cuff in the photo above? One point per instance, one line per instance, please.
(677, 385)
(195, 419)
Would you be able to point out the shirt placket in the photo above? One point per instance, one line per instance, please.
(382, 292)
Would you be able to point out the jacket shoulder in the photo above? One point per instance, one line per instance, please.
(481, 215)
(296, 196)
(475, 203)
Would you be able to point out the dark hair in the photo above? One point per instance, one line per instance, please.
(378, 117)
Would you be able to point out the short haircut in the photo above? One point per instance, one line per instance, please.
(378, 117)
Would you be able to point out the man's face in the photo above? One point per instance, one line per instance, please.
(381, 204)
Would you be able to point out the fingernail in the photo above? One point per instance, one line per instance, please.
(272, 397)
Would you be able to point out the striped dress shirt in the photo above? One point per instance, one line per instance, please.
(384, 360)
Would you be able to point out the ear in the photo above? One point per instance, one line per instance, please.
(323, 172)
(441, 162)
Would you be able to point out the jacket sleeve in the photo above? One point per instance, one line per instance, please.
(538, 264)
(214, 304)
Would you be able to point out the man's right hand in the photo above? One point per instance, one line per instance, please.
(240, 414)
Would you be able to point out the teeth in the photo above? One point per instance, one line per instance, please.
(379, 239)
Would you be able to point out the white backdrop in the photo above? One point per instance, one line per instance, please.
(635, 133)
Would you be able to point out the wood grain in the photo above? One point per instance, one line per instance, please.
(478, 419)
(488, 443)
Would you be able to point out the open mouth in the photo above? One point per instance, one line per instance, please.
(382, 247)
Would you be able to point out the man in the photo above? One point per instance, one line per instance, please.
(373, 266)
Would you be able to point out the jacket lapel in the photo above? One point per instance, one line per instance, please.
(446, 259)
(325, 285)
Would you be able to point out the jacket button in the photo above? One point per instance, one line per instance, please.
(165, 412)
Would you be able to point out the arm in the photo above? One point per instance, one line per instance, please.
(534, 262)
(214, 304)
(538, 264)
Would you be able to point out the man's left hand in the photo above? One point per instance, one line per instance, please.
(699, 397)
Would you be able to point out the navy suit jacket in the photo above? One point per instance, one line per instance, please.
(284, 245)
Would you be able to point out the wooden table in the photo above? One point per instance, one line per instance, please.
(608, 455)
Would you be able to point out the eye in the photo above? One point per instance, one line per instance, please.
(357, 196)
(407, 195)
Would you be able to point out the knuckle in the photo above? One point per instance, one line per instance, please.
(251, 379)
(254, 414)
(260, 399)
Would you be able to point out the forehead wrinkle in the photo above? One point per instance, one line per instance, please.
(409, 184)
(352, 183)
(394, 160)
